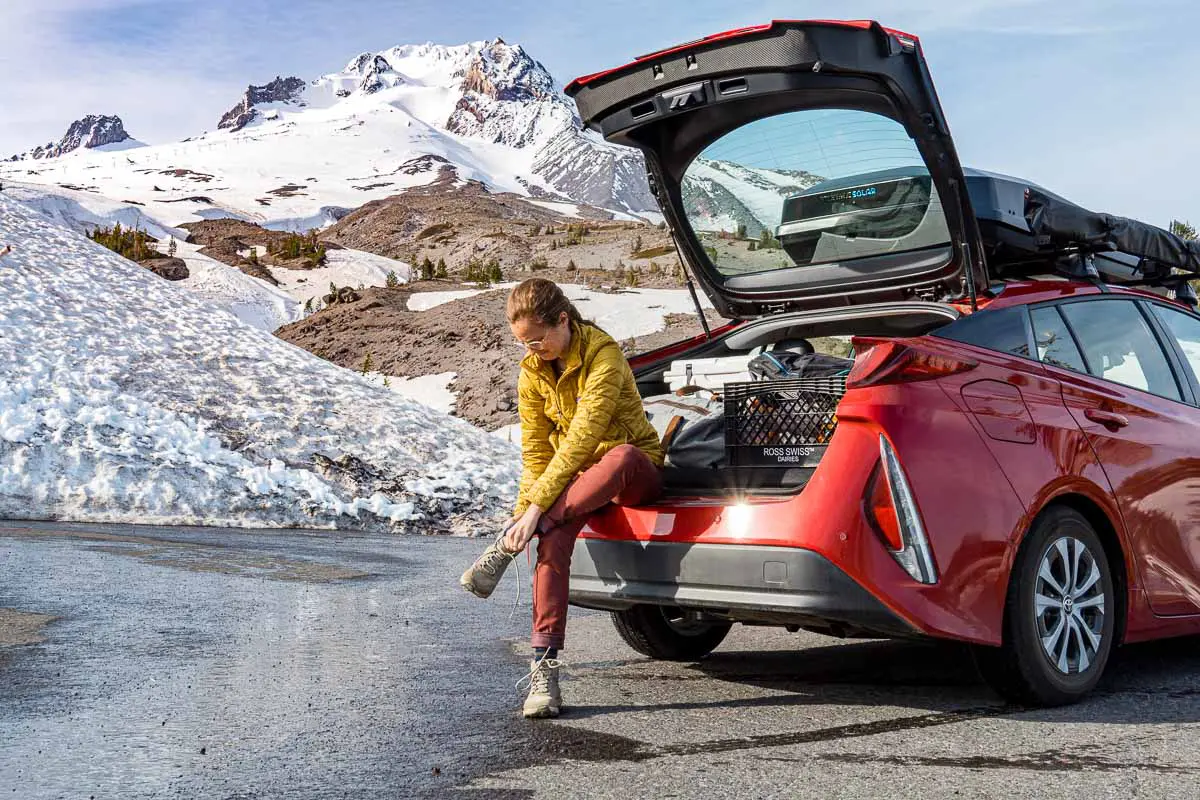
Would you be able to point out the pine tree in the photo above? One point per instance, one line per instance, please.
(308, 306)
(494, 273)
(393, 280)
(172, 248)
(1182, 229)
(440, 271)
(367, 365)
(741, 230)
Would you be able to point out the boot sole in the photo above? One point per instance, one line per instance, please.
(470, 587)
(542, 713)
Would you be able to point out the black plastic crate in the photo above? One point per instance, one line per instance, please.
(781, 423)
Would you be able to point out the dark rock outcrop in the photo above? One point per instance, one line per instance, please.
(90, 132)
(280, 90)
(169, 267)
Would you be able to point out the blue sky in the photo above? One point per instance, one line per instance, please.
(1094, 99)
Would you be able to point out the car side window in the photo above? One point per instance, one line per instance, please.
(1002, 330)
(1053, 340)
(1119, 346)
(1186, 330)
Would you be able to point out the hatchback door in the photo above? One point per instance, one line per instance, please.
(799, 165)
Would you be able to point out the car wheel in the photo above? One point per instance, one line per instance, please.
(669, 633)
(1059, 616)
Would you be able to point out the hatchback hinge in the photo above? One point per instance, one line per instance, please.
(653, 182)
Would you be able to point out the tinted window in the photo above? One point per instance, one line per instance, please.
(811, 187)
(1119, 346)
(1054, 343)
(1003, 330)
(1186, 330)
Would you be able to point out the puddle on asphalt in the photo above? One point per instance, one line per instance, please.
(22, 627)
(198, 558)
(201, 558)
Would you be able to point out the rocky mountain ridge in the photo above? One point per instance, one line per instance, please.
(89, 132)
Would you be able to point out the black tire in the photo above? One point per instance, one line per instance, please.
(1022, 670)
(663, 633)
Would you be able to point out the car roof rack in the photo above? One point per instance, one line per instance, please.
(1116, 250)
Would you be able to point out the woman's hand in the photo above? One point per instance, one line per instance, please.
(521, 531)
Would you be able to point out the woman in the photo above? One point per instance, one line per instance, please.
(585, 442)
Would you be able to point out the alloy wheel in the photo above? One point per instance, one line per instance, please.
(1069, 605)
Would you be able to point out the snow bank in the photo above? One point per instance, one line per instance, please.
(127, 399)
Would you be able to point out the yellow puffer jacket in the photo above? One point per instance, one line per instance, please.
(568, 423)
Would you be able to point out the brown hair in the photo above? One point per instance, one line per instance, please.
(542, 300)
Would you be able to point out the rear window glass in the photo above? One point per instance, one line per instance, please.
(1002, 330)
(1053, 340)
(811, 187)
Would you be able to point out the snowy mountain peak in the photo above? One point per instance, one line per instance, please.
(280, 90)
(387, 121)
(90, 132)
(506, 72)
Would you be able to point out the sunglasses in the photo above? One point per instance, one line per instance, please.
(536, 344)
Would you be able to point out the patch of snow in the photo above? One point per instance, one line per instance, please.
(128, 399)
(429, 390)
(258, 250)
(423, 301)
(344, 267)
(509, 433)
(566, 209)
(253, 301)
(632, 312)
(623, 314)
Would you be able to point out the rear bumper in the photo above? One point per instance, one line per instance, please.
(747, 583)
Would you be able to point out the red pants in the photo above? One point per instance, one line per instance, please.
(625, 476)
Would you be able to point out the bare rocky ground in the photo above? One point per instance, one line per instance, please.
(469, 337)
(459, 224)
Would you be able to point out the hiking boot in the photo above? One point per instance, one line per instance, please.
(481, 579)
(545, 699)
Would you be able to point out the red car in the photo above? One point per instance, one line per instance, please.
(1011, 460)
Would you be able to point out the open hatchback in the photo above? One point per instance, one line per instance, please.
(799, 164)
(808, 176)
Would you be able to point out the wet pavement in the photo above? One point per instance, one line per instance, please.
(190, 662)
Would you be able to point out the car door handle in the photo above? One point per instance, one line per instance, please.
(1109, 419)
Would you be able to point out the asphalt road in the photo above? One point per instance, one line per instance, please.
(189, 662)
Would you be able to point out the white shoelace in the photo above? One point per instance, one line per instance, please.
(539, 677)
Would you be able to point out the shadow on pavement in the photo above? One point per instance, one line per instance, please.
(935, 676)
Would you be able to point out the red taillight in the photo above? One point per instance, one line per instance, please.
(881, 511)
(882, 361)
